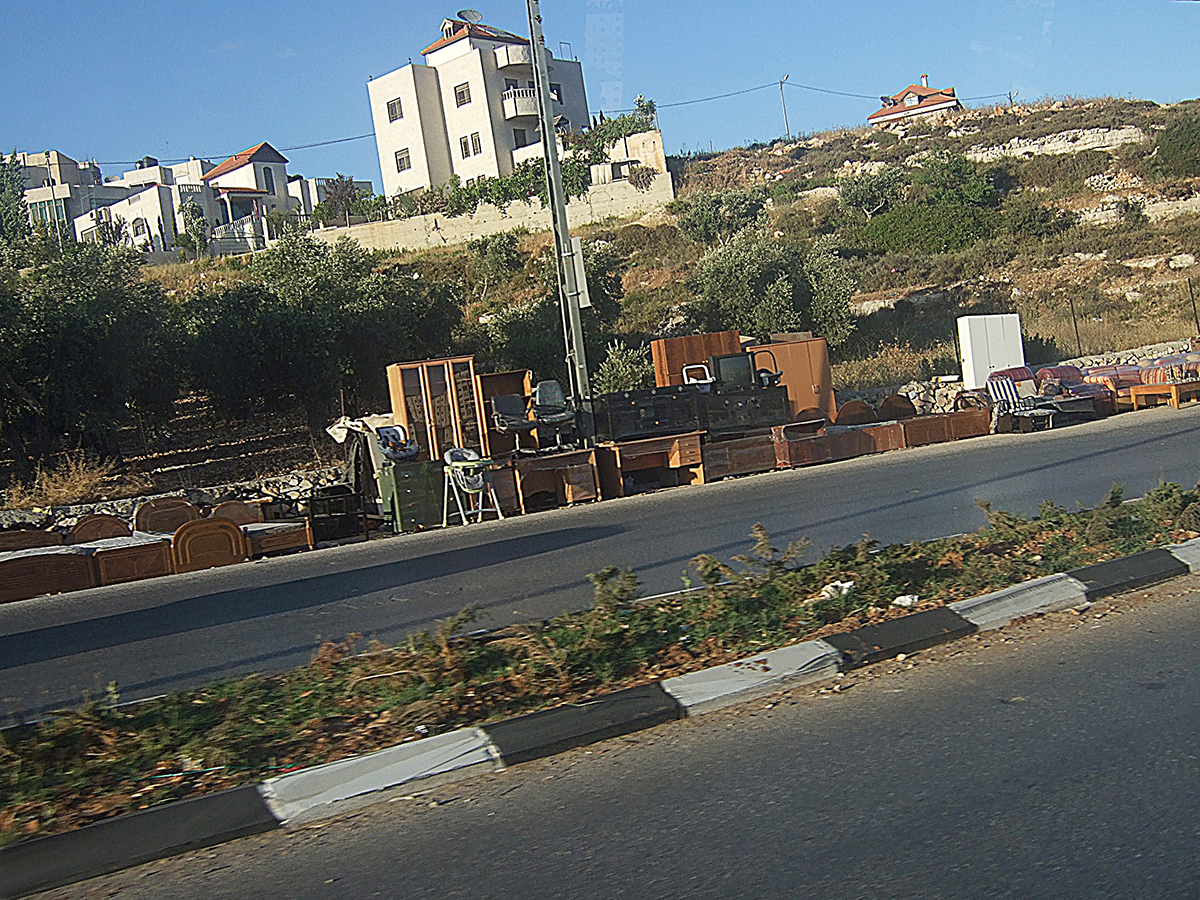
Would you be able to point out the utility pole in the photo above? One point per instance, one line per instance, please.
(786, 127)
(570, 269)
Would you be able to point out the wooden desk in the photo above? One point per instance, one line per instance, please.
(676, 454)
(1175, 392)
(571, 476)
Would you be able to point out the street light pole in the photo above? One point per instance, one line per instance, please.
(782, 99)
(569, 271)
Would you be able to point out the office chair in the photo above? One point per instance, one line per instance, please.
(510, 414)
(551, 409)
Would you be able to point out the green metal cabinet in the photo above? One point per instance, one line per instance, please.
(411, 494)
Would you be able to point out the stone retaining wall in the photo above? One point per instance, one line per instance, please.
(286, 487)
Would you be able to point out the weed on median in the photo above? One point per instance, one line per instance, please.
(356, 696)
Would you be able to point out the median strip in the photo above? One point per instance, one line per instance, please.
(710, 646)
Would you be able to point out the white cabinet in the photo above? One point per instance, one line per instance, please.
(989, 343)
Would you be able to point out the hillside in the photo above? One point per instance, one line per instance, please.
(877, 240)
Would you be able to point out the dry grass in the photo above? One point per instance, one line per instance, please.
(76, 479)
(894, 364)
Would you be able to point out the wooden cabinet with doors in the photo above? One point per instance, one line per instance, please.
(438, 403)
(806, 373)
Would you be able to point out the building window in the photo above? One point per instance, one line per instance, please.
(520, 138)
(139, 227)
(511, 84)
(268, 180)
(911, 100)
(464, 144)
(395, 110)
(556, 92)
(403, 160)
(462, 95)
(476, 144)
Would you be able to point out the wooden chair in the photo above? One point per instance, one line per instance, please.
(97, 527)
(28, 538)
(164, 514)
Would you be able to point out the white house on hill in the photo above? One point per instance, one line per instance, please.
(916, 100)
(470, 110)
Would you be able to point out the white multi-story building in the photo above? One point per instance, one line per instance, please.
(470, 110)
(58, 189)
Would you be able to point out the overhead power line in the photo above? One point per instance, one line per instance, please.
(371, 134)
(134, 162)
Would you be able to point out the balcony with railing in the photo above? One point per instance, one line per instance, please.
(519, 102)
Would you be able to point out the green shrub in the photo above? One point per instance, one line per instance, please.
(711, 217)
(623, 369)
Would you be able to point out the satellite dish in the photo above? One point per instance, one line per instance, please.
(473, 16)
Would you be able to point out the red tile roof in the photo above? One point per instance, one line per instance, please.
(465, 29)
(263, 152)
(930, 98)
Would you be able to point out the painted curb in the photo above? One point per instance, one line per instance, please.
(757, 676)
(551, 731)
(1129, 573)
(337, 787)
(133, 839)
(1041, 595)
(1188, 553)
(875, 643)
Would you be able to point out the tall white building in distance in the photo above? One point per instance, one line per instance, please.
(470, 110)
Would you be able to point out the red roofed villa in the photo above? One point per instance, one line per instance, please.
(915, 100)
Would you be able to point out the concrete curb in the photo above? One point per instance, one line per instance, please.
(311, 794)
(746, 679)
(335, 788)
(126, 841)
(1041, 595)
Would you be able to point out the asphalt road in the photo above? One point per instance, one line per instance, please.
(171, 633)
(1058, 758)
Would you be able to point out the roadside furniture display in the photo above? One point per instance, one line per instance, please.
(164, 515)
(503, 442)
(438, 403)
(738, 457)
(552, 411)
(466, 477)
(207, 544)
(856, 412)
(569, 477)
(265, 538)
(45, 570)
(804, 373)
(334, 513)
(631, 415)
(1007, 400)
(894, 408)
(737, 412)
(659, 462)
(28, 538)
(969, 423)
(96, 527)
(1173, 392)
(409, 494)
(671, 355)
(131, 558)
(989, 344)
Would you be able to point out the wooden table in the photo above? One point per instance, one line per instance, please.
(572, 476)
(1175, 392)
(676, 454)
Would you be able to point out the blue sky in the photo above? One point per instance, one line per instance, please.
(116, 81)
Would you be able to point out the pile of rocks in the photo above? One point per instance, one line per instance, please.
(926, 396)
